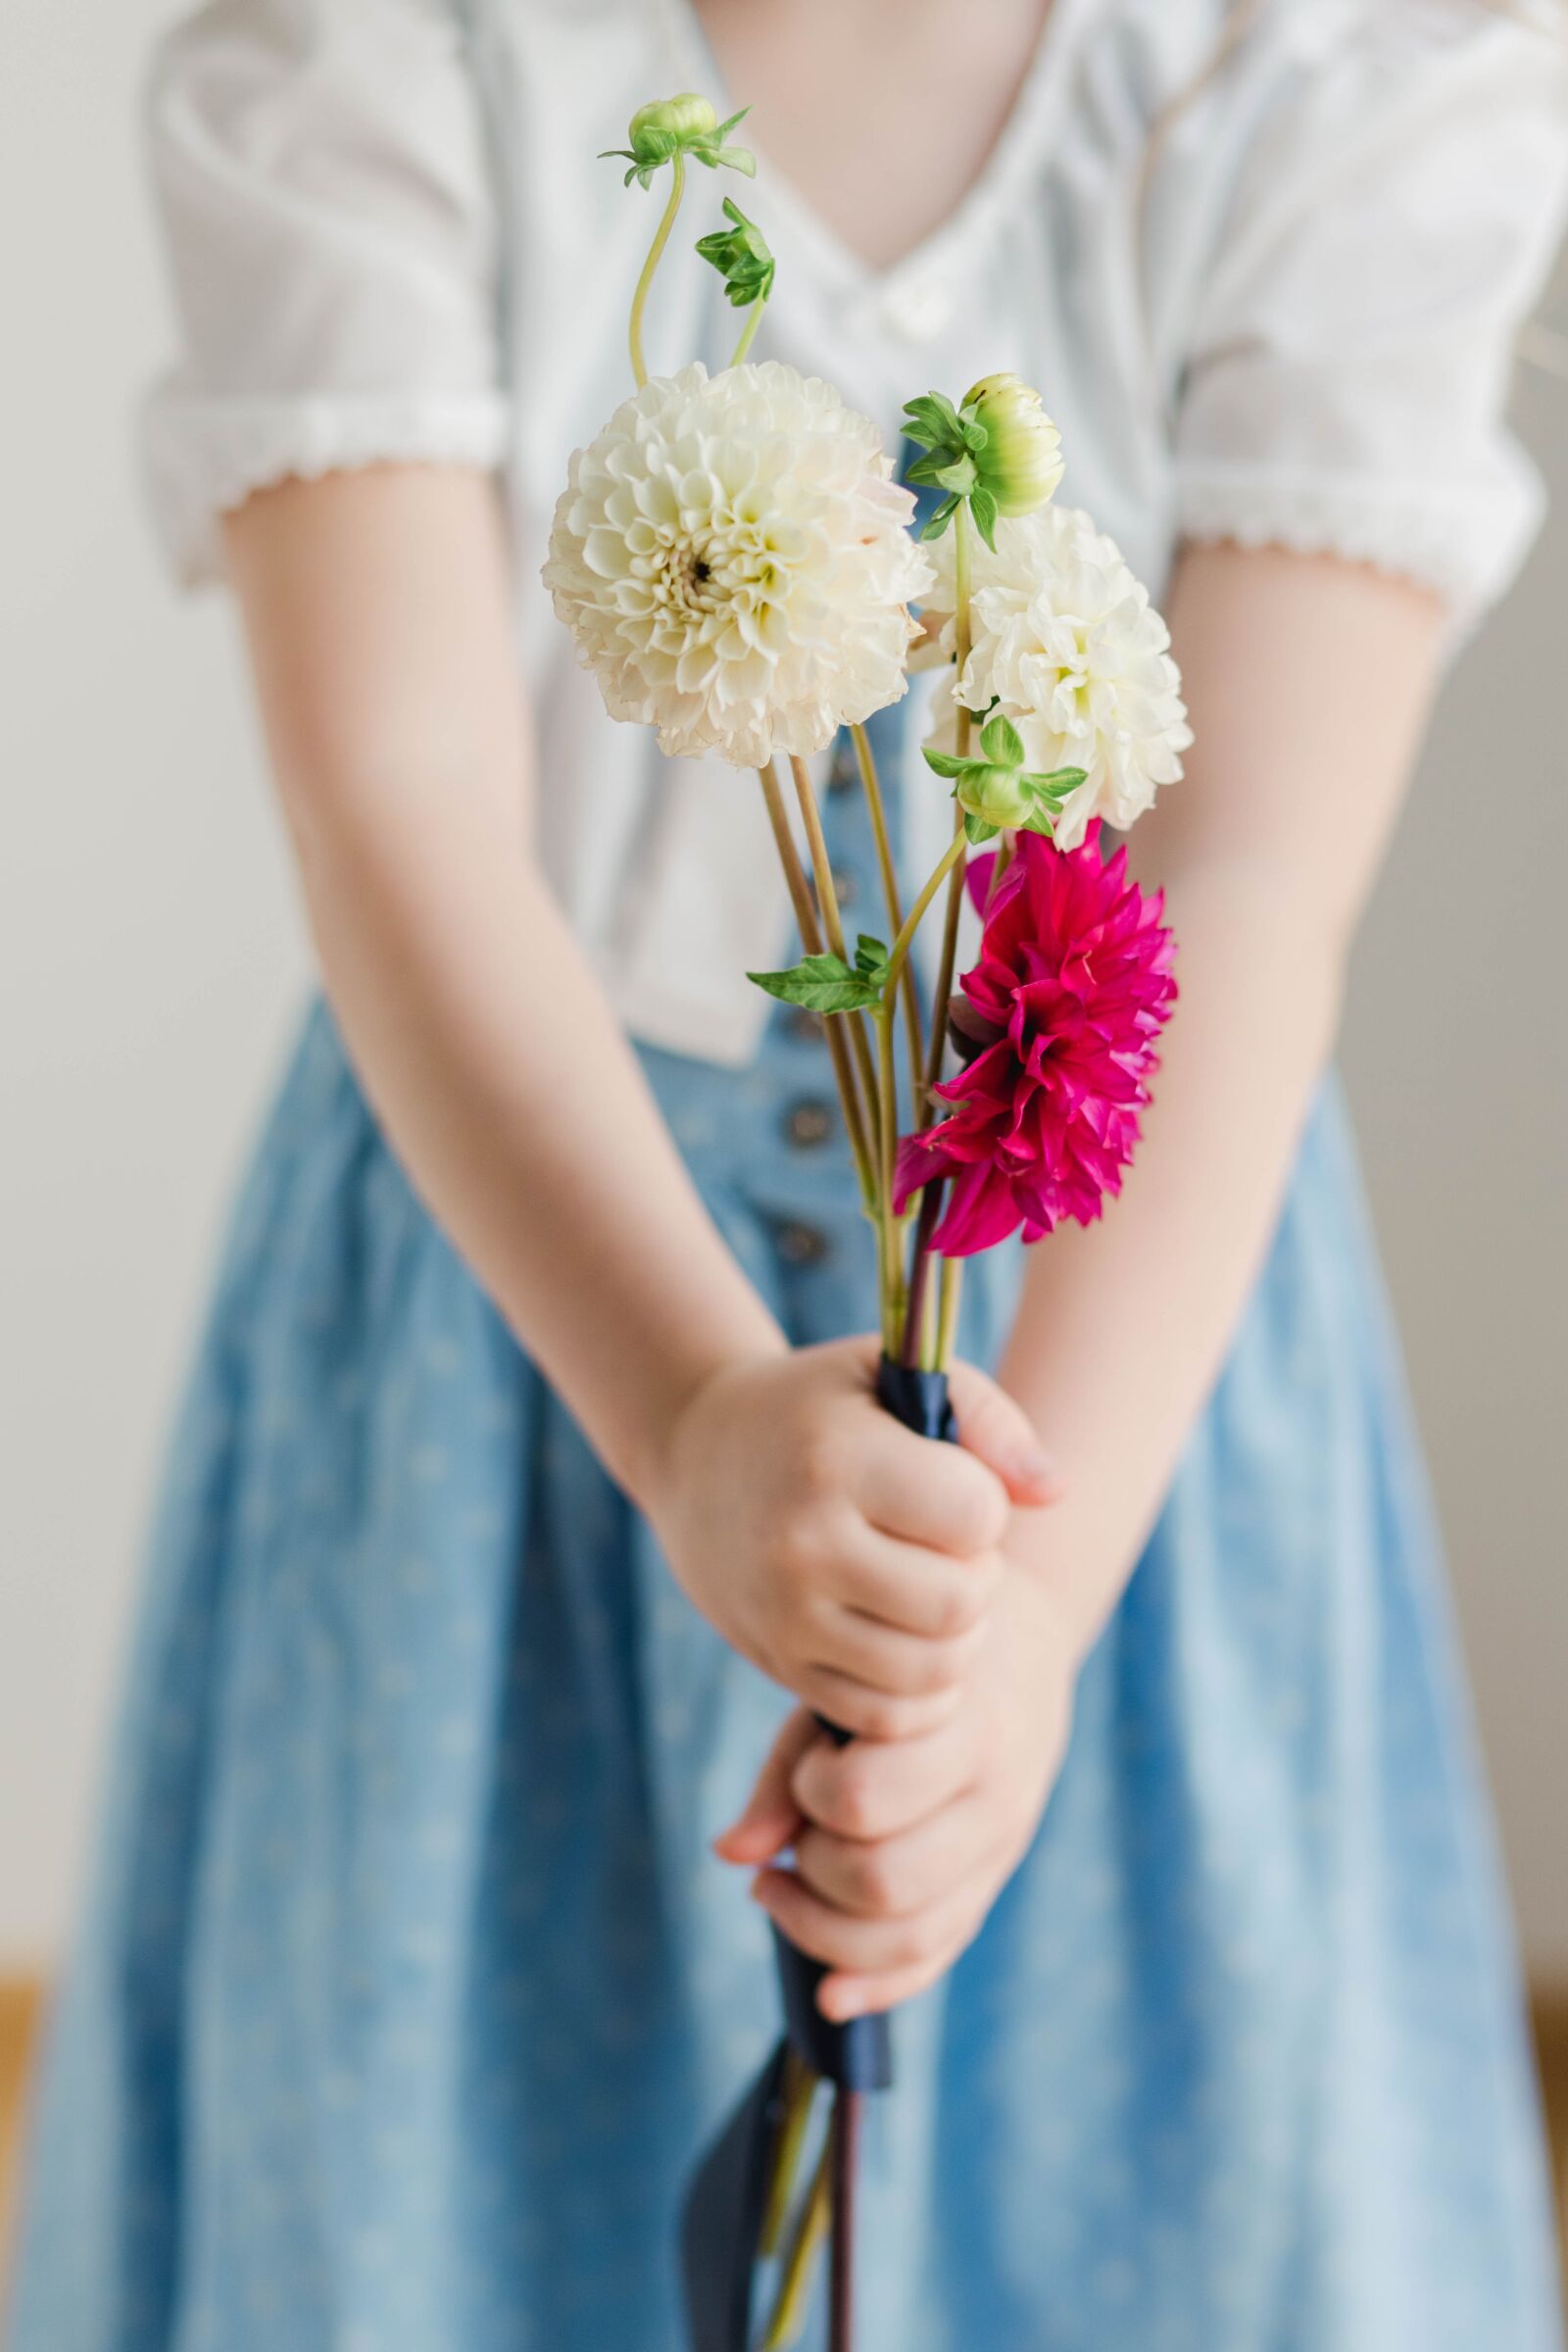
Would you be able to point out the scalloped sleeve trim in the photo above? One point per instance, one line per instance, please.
(201, 457)
(1467, 541)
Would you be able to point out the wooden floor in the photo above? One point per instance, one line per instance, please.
(20, 2006)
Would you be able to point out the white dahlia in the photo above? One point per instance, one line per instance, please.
(733, 560)
(1065, 640)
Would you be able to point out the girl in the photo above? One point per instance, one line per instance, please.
(527, 1460)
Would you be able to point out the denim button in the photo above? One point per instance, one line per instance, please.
(802, 1244)
(844, 771)
(804, 1028)
(808, 1124)
(844, 886)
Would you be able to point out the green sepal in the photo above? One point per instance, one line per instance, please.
(932, 418)
(937, 522)
(1058, 786)
(1048, 794)
(1001, 743)
(871, 959)
(742, 257)
(944, 764)
(977, 830)
(983, 506)
(656, 146)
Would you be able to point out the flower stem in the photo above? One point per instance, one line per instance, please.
(895, 1293)
(871, 783)
(789, 2311)
(753, 320)
(915, 1337)
(811, 941)
(915, 1317)
(949, 1300)
(892, 1230)
(677, 186)
(955, 905)
(943, 867)
(827, 899)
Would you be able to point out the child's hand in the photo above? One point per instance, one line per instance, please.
(901, 1847)
(848, 1559)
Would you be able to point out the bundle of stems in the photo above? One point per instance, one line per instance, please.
(920, 1318)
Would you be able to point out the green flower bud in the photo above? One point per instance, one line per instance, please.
(680, 126)
(996, 791)
(741, 255)
(675, 119)
(1020, 463)
(998, 796)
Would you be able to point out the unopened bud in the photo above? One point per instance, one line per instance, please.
(1021, 464)
(678, 119)
(998, 796)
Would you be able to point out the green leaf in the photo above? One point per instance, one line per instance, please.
(977, 829)
(983, 506)
(1058, 786)
(741, 255)
(943, 764)
(932, 422)
(822, 983)
(939, 518)
(871, 959)
(1001, 742)
(959, 477)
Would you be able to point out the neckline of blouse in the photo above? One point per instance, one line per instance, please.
(1013, 154)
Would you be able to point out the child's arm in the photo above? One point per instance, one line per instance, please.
(1308, 682)
(845, 1557)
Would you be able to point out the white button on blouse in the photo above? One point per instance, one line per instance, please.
(1280, 311)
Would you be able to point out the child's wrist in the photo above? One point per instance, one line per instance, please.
(662, 1454)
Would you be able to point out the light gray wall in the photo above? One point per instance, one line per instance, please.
(151, 963)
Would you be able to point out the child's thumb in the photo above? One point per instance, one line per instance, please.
(993, 1425)
(772, 1819)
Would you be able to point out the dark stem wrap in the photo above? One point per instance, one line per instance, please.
(859, 2055)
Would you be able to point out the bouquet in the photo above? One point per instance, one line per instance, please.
(742, 572)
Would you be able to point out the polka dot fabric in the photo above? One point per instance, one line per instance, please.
(410, 1990)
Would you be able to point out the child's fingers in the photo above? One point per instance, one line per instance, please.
(843, 1995)
(875, 1789)
(861, 1946)
(884, 1658)
(771, 1817)
(994, 1425)
(874, 1714)
(896, 1877)
(919, 1591)
(938, 1497)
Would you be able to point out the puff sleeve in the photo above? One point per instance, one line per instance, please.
(1346, 385)
(323, 180)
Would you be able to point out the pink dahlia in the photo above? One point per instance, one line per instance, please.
(1061, 1014)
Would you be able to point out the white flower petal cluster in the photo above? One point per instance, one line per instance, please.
(733, 560)
(1066, 641)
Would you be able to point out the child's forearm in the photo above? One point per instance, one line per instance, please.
(1122, 1327)
(1307, 683)
(377, 612)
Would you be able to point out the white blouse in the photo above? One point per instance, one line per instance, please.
(1287, 317)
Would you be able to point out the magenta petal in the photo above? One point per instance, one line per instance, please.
(1074, 977)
